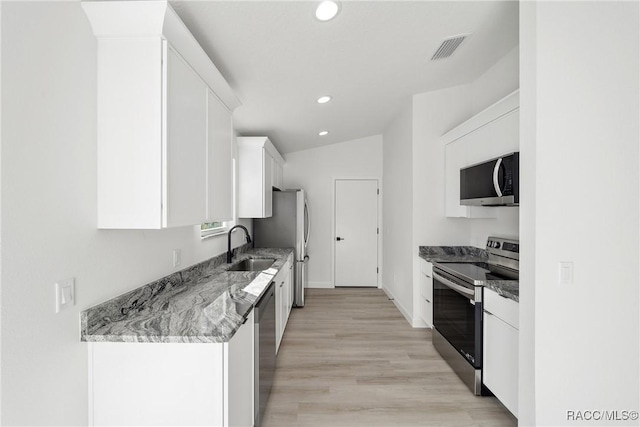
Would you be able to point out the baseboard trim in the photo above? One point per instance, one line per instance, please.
(320, 285)
(399, 306)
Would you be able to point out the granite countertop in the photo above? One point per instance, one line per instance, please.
(452, 254)
(202, 303)
(435, 254)
(506, 288)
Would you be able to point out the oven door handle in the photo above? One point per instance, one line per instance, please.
(460, 289)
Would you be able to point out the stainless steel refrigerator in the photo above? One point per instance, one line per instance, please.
(288, 227)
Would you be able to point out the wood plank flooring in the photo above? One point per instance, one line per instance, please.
(349, 358)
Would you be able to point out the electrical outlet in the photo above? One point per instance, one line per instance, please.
(65, 294)
(177, 257)
(565, 273)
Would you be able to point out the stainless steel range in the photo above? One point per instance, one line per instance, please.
(457, 307)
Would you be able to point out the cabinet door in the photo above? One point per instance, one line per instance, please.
(500, 361)
(291, 284)
(239, 379)
(495, 139)
(426, 298)
(280, 307)
(185, 145)
(267, 162)
(129, 384)
(219, 161)
(288, 295)
(455, 158)
(274, 173)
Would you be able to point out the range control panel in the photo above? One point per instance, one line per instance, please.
(502, 244)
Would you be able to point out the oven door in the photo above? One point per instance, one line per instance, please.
(457, 316)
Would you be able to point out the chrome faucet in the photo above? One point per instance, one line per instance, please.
(246, 233)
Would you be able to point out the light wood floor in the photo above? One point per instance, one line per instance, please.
(349, 358)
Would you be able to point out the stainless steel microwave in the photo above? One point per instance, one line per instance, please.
(492, 183)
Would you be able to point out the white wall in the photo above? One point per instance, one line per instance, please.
(49, 215)
(314, 171)
(498, 81)
(585, 110)
(0, 213)
(398, 208)
(528, 137)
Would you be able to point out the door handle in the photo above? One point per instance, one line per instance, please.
(496, 185)
(339, 238)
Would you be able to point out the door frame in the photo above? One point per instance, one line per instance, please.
(333, 225)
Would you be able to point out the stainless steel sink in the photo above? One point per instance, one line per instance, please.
(252, 264)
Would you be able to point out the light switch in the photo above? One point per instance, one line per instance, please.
(65, 294)
(565, 273)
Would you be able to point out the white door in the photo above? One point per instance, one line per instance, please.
(356, 237)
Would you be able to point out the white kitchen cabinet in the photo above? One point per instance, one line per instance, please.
(489, 134)
(284, 300)
(426, 292)
(173, 384)
(219, 161)
(258, 162)
(184, 167)
(239, 376)
(290, 286)
(276, 174)
(500, 349)
(153, 84)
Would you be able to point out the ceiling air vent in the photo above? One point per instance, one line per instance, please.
(448, 46)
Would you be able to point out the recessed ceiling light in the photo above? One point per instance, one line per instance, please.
(324, 99)
(323, 133)
(327, 10)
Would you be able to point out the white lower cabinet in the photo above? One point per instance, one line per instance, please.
(284, 300)
(426, 292)
(500, 349)
(173, 384)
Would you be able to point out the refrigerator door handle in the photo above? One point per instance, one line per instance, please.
(306, 211)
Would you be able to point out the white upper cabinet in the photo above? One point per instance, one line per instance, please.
(164, 121)
(219, 161)
(185, 163)
(489, 134)
(259, 166)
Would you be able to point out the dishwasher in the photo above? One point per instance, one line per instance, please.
(265, 351)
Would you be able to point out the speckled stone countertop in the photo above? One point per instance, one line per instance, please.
(202, 303)
(435, 254)
(452, 254)
(506, 288)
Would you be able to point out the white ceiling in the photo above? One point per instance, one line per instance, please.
(371, 58)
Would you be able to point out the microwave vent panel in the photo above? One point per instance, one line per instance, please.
(448, 46)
